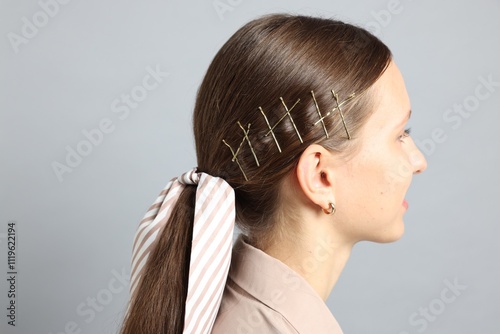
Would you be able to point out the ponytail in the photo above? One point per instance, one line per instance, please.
(185, 241)
(158, 303)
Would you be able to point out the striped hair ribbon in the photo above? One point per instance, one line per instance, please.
(214, 217)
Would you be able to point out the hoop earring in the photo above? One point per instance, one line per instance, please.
(331, 211)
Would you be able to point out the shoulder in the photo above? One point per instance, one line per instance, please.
(242, 313)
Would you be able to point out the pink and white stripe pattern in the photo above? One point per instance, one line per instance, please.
(213, 227)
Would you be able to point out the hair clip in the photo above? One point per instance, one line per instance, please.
(336, 98)
(270, 129)
(248, 141)
(290, 116)
(235, 154)
(288, 113)
(321, 117)
(235, 158)
(279, 121)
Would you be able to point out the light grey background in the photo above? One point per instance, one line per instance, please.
(75, 233)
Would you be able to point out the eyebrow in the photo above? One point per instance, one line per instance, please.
(405, 120)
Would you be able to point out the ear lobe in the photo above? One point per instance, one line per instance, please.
(314, 175)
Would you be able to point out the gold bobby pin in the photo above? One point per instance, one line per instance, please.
(249, 143)
(235, 154)
(235, 158)
(290, 116)
(321, 120)
(336, 98)
(270, 129)
(282, 117)
(321, 117)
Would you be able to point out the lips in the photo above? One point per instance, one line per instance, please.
(405, 204)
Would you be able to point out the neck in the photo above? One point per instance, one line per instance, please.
(319, 258)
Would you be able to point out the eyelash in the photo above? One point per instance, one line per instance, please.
(405, 134)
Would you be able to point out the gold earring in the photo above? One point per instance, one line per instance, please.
(331, 211)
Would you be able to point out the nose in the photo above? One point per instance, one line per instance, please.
(417, 160)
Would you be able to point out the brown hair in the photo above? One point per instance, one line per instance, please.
(273, 57)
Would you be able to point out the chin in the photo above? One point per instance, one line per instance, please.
(390, 234)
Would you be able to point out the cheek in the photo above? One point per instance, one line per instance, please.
(397, 175)
(376, 180)
(365, 185)
(380, 181)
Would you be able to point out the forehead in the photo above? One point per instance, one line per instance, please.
(392, 103)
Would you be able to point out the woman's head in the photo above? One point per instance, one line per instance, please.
(271, 65)
(294, 113)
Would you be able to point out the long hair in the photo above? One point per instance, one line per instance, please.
(265, 67)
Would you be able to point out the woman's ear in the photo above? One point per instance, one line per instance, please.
(315, 175)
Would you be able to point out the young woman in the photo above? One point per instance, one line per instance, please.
(300, 137)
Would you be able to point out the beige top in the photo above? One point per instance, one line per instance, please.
(263, 295)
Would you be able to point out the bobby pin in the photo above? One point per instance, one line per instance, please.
(248, 141)
(336, 98)
(288, 113)
(270, 129)
(235, 154)
(321, 117)
(290, 116)
(235, 158)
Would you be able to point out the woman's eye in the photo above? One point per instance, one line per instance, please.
(405, 134)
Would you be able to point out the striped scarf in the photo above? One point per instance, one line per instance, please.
(211, 245)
